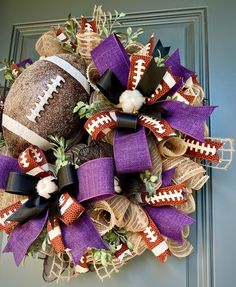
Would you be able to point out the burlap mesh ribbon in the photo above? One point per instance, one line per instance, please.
(47, 45)
(118, 211)
(181, 250)
(87, 41)
(172, 147)
(187, 171)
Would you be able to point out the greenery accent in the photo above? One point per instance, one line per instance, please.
(105, 21)
(102, 256)
(8, 72)
(39, 244)
(115, 237)
(149, 180)
(86, 110)
(70, 30)
(159, 60)
(59, 146)
(2, 142)
(132, 36)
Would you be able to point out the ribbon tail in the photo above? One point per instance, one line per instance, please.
(80, 236)
(23, 236)
(170, 221)
(187, 119)
(155, 241)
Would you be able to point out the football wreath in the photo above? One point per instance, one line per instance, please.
(103, 142)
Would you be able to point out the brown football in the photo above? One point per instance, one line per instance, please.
(40, 103)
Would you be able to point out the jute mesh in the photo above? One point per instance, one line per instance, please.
(87, 41)
(187, 171)
(122, 213)
(47, 45)
(156, 160)
(172, 147)
(225, 154)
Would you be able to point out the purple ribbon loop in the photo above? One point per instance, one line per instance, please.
(131, 152)
(80, 236)
(167, 176)
(110, 54)
(7, 165)
(23, 236)
(187, 119)
(170, 221)
(178, 70)
(96, 179)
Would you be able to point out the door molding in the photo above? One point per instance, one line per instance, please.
(193, 22)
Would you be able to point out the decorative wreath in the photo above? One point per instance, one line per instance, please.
(103, 141)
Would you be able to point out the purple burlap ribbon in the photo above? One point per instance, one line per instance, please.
(7, 165)
(96, 179)
(81, 235)
(23, 236)
(170, 221)
(187, 119)
(178, 70)
(167, 176)
(110, 54)
(131, 152)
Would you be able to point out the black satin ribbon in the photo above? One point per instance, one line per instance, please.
(110, 86)
(23, 184)
(151, 78)
(126, 121)
(159, 50)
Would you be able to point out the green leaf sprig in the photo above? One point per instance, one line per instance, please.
(105, 21)
(85, 110)
(115, 237)
(59, 146)
(2, 142)
(149, 180)
(132, 36)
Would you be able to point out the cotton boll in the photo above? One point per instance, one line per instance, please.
(46, 186)
(131, 101)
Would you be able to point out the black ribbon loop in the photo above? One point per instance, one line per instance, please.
(67, 178)
(23, 184)
(151, 78)
(127, 121)
(110, 86)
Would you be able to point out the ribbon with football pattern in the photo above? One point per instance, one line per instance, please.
(155, 241)
(169, 195)
(101, 123)
(206, 150)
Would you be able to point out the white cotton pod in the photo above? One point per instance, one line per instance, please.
(46, 186)
(131, 101)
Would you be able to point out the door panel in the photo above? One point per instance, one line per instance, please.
(183, 28)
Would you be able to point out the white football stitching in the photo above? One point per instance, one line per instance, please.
(48, 94)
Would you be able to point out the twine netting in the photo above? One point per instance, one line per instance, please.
(225, 154)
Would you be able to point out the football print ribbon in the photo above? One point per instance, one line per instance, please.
(205, 150)
(68, 225)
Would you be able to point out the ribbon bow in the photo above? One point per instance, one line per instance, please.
(56, 199)
(146, 83)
